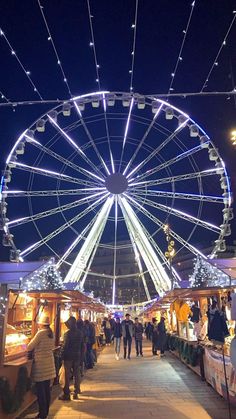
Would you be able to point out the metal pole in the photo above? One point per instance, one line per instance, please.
(226, 383)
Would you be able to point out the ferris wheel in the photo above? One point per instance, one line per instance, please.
(114, 170)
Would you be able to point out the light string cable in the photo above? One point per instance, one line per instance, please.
(3, 97)
(215, 62)
(27, 72)
(92, 44)
(59, 62)
(180, 58)
(50, 39)
(134, 27)
(97, 67)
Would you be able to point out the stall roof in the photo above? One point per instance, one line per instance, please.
(76, 298)
(185, 293)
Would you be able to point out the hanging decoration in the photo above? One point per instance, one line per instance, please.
(45, 278)
(207, 275)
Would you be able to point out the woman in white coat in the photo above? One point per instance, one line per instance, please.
(43, 368)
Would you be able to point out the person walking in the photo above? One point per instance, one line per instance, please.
(72, 352)
(43, 368)
(154, 334)
(138, 336)
(127, 327)
(107, 330)
(117, 331)
(90, 340)
(161, 338)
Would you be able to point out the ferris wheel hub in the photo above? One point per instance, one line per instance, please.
(116, 183)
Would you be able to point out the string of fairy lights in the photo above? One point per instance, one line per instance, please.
(180, 57)
(14, 54)
(93, 46)
(223, 44)
(50, 39)
(134, 28)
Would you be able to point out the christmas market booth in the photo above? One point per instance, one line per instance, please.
(201, 332)
(39, 293)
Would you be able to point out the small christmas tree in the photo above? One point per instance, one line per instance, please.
(201, 274)
(205, 274)
(45, 278)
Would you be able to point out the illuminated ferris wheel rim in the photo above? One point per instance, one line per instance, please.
(116, 182)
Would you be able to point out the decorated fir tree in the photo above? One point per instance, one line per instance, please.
(46, 277)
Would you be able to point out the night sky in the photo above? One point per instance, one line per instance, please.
(159, 28)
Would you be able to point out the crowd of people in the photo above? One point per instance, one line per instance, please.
(78, 350)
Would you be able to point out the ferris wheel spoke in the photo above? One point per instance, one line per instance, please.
(63, 160)
(160, 253)
(168, 163)
(137, 258)
(52, 174)
(80, 237)
(157, 272)
(62, 228)
(53, 211)
(108, 134)
(53, 192)
(156, 220)
(91, 138)
(81, 260)
(179, 214)
(171, 179)
(115, 253)
(180, 195)
(143, 138)
(75, 146)
(158, 149)
(126, 131)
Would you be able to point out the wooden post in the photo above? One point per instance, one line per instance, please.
(3, 319)
(57, 324)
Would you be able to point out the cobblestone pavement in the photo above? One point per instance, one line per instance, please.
(141, 388)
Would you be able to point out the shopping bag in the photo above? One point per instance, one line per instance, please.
(62, 376)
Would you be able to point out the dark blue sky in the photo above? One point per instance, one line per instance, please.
(159, 35)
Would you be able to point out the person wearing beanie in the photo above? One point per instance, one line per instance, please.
(72, 352)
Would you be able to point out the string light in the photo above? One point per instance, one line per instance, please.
(180, 58)
(27, 73)
(45, 278)
(207, 275)
(92, 44)
(3, 97)
(215, 62)
(50, 38)
(134, 27)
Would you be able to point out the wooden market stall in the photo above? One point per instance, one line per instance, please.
(18, 324)
(203, 356)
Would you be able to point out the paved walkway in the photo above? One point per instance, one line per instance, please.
(141, 388)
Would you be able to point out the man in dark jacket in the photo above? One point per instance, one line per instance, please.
(138, 336)
(72, 351)
(127, 327)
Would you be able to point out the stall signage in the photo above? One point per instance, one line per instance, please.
(214, 373)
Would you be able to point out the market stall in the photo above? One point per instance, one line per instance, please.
(19, 315)
(187, 313)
